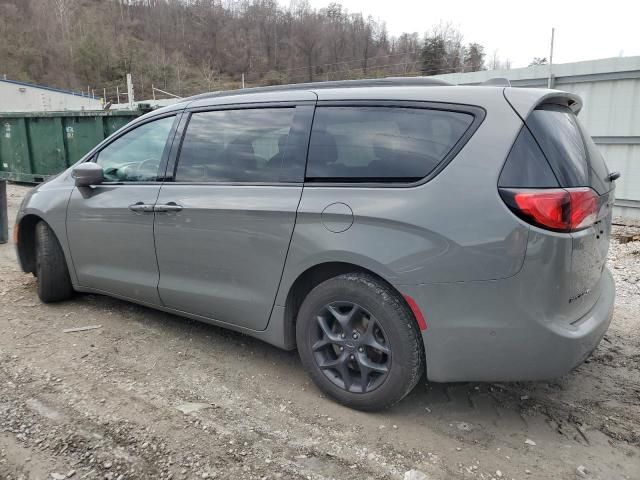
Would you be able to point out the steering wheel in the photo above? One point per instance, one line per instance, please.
(136, 171)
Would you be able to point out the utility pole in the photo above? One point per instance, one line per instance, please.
(118, 93)
(243, 80)
(550, 81)
(130, 91)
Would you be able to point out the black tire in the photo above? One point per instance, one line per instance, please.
(396, 331)
(53, 282)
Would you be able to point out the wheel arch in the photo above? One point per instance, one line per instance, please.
(315, 275)
(26, 241)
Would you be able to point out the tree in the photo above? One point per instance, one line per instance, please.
(308, 35)
(209, 71)
(190, 46)
(442, 51)
(433, 55)
(405, 50)
(64, 12)
(474, 58)
(539, 61)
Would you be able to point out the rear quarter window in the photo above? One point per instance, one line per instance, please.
(381, 144)
(526, 165)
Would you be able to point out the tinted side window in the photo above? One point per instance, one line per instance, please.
(569, 149)
(364, 144)
(136, 155)
(556, 130)
(235, 145)
(526, 165)
(599, 170)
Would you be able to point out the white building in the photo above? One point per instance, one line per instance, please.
(610, 90)
(26, 97)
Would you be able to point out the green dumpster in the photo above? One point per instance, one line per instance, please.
(37, 145)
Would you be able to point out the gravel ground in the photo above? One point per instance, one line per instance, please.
(152, 396)
(625, 260)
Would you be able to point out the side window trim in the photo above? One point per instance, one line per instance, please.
(167, 171)
(301, 125)
(477, 112)
(298, 143)
(172, 167)
(165, 153)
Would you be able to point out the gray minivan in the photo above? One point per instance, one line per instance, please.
(385, 228)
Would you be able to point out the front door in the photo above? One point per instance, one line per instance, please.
(110, 226)
(223, 226)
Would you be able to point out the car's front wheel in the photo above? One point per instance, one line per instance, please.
(53, 280)
(359, 342)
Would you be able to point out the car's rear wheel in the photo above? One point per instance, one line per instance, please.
(53, 280)
(359, 342)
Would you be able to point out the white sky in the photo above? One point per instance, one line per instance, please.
(519, 31)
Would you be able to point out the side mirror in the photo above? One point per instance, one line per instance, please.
(88, 173)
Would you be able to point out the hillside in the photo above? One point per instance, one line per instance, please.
(190, 46)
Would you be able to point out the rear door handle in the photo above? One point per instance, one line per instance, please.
(168, 207)
(141, 207)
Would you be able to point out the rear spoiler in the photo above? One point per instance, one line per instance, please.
(525, 100)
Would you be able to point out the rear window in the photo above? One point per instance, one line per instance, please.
(378, 144)
(569, 150)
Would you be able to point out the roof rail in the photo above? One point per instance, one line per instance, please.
(496, 82)
(370, 82)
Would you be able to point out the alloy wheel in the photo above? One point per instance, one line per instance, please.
(350, 347)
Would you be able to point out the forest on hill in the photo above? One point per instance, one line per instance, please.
(190, 46)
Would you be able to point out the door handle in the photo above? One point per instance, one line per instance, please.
(141, 207)
(168, 207)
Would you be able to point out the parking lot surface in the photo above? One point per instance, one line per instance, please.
(150, 395)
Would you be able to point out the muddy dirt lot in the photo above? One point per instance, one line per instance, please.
(151, 395)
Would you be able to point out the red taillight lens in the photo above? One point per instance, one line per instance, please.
(545, 208)
(584, 208)
(558, 209)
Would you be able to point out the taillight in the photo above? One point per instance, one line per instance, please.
(557, 209)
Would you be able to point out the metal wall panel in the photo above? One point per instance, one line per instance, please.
(81, 134)
(14, 146)
(625, 159)
(25, 97)
(46, 145)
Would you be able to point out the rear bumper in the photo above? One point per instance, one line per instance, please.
(494, 331)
